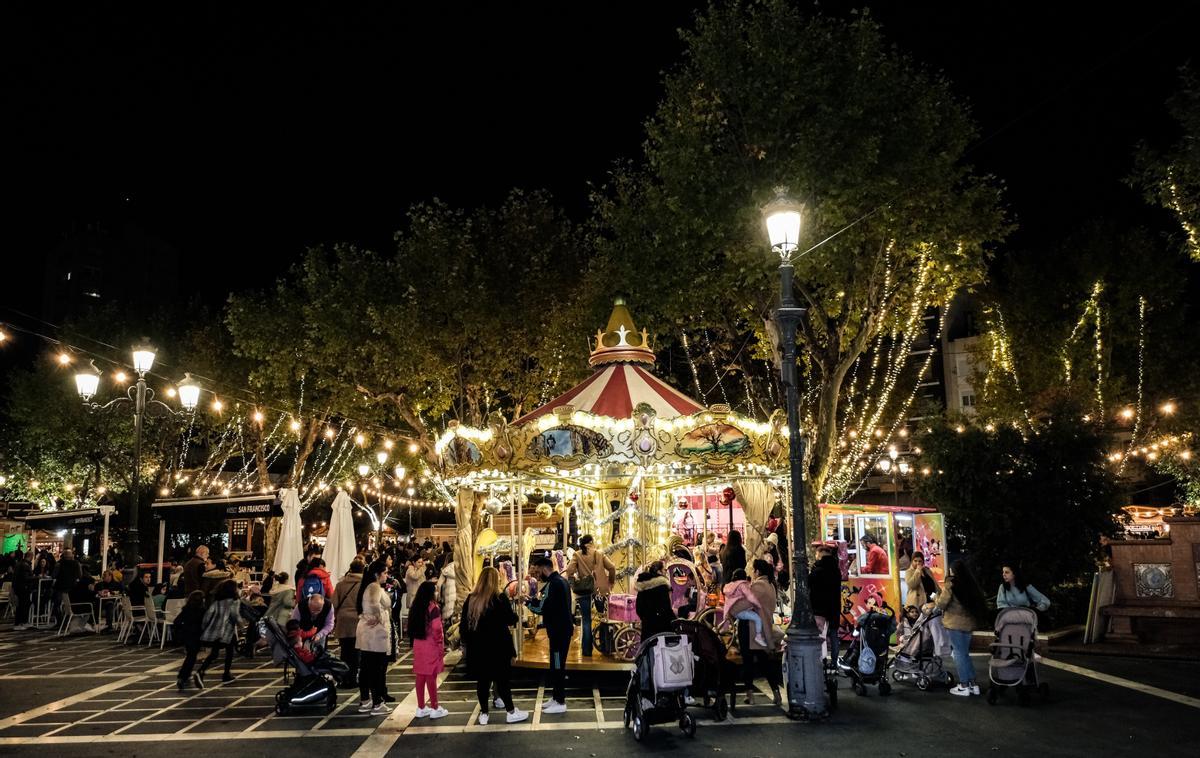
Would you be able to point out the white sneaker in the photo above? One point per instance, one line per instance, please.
(761, 640)
(364, 706)
(382, 709)
(21, 627)
(974, 689)
(689, 700)
(553, 706)
(961, 690)
(483, 719)
(438, 713)
(516, 714)
(89, 628)
(498, 703)
(423, 713)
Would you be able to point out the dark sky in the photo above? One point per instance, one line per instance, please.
(240, 134)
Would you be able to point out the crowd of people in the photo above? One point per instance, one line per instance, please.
(409, 592)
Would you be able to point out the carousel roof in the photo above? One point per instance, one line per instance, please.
(622, 380)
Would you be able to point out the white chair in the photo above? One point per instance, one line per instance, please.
(131, 617)
(170, 611)
(150, 627)
(81, 611)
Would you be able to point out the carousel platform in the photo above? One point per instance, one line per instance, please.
(535, 654)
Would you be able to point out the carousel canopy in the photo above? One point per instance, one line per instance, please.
(622, 380)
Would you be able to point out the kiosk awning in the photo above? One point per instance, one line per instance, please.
(231, 506)
(78, 518)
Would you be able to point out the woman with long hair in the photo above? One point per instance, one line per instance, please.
(733, 555)
(1015, 592)
(593, 575)
(429, 648)
(963, 606)
(486, 633)
(756, 656)
(374, 639)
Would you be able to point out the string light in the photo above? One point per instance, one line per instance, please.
(63, 359)
(388, 444)
(171, 392)
(330, 433)
(217, 405)
(359, 440)
(258, 416)
(414, 448)
(1167, 408)
(120, 377)
(294, 425)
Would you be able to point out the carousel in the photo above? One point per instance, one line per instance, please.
(625, 457)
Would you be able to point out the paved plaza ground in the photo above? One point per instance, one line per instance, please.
(86, 695)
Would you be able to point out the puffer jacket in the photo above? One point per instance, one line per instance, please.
(653, 604)
(283, 600)
(373, 634)
(220, 621)
(447, 592)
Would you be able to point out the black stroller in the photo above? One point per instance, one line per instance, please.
(716, 675)
(865, 662)
(663, 670)
(1014, 662)
(315, 684)
(917, 660)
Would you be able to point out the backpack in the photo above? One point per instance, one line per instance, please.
(312, 586)
(866, 660)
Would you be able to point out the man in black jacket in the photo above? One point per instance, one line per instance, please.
(65, 579)
(825, 592)
(558, 618)
(23, 588)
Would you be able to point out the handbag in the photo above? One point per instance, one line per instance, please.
(585, 585)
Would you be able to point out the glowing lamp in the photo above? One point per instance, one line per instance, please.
(782, 217)
(382, 457)
(189, 391)
(143, 358)
(87, 381)
(363, 469)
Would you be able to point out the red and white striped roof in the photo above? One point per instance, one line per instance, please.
(616, 389)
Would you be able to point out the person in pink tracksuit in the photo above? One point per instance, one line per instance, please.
(429, 649)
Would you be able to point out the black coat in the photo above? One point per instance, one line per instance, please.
(653, 604)
(68, 575)
(732, 559)
(557, 609)
(489, 645)
(825, 588)
(188, 625)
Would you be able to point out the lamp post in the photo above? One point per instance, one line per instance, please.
(140, 398)
(896, 466)
(806, 672)
(365, 471)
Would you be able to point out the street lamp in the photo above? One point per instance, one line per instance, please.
(897, 467)
(141, 399)
(806, 672)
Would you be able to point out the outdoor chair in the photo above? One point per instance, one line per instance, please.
(131, 617)
(150, 627)
(81, 611)
(169, 612)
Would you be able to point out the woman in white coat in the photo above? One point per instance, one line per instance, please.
(374, 640)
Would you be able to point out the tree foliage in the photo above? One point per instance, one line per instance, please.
(1039, 501)
(1170, 177)
(871, 141)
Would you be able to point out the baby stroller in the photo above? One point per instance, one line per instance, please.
(1013, 663)
(715, 674)
(916, 660)
(663, 669)
(865, 662)
(314, 684)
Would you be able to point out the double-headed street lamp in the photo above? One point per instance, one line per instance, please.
(364, 471)
(140, 398)
(897, 466)
(806, 672)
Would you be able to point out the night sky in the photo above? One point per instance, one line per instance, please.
(242, 134)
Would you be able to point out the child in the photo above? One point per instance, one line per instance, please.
(741, 603)
(429, 648)
(907, 624)
(297, 642)
(186, 630)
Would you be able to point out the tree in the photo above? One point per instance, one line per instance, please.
(871, 141)
(1171, 177)
(1038, 500)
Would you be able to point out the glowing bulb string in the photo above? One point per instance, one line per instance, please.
(712, 361)
(1137, 420)
(695, 374)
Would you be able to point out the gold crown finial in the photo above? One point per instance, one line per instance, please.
(620, 341)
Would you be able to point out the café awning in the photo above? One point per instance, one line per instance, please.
(77, 518)
(224, 506)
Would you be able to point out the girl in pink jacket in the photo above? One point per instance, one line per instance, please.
(429, 649)
(741, 603)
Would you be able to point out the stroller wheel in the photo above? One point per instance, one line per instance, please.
(831, 689)
(626, 718)
(687, 724)
(922, 683)
(639, 728)
(897, 676)
(721, 708)
(885, 688)
(992, 695)
(331, 701)
(860, 689)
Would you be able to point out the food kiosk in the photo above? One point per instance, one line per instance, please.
(874, 577)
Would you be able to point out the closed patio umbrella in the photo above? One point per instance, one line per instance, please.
(290, 549)
(339, 543)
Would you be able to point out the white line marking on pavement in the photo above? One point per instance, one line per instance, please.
(206, 736)
(59, 705)
(1127, 683)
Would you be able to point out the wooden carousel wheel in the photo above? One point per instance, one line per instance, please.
(710, 618)
(626, 642)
